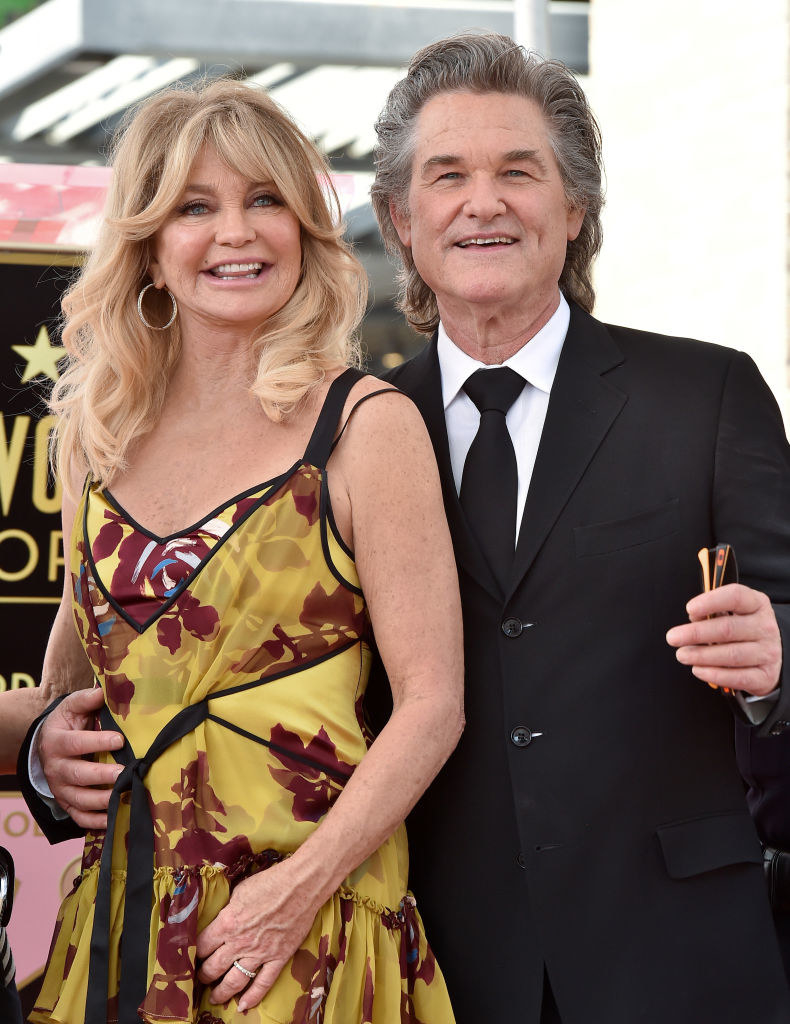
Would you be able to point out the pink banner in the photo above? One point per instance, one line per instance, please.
(49, 205)
(44, 876)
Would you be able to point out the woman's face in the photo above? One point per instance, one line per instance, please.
(230, 252)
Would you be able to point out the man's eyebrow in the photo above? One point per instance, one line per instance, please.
(531, 156)
(512, 156)
(441, 160)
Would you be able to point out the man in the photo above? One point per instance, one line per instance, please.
(765, 767)
(586, 855)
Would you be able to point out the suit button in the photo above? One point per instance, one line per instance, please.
(521, 736)
(521, 860)
(512, 627)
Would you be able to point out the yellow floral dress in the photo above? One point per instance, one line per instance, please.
(234, 658)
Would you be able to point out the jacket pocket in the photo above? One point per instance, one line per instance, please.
(703, 844)
(616, 534)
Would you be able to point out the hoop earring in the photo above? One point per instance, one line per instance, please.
(142, 315)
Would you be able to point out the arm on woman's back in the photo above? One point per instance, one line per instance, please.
(18, 708)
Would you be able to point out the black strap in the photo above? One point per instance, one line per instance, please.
(356, 405)
(135, 935)
(319, 447)
(311, 762)
(139, 878)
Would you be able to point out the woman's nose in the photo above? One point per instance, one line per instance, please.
(234, 227)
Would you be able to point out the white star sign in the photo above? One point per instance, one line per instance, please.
(42, 358)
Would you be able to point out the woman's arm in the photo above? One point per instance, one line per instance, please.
(384, 474)
(18, 708)
(67, 734)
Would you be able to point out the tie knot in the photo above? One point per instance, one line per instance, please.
(497, 388)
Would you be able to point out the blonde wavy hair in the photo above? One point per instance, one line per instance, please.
(113, 388)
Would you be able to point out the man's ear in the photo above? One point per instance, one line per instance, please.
(576, 215)
(402, 224)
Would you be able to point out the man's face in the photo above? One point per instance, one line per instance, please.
(487, 220)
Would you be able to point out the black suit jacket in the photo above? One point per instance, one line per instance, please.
(616, 848)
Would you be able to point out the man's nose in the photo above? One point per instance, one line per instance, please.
(483, 200)
(234, 227)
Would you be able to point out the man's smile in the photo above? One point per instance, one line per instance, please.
(484, 241)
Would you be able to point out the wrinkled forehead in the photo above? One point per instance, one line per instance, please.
(479, 117)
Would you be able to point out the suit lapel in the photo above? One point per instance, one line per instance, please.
(420, 379)
(581, 411)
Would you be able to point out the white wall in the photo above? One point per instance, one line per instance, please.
(692, 98)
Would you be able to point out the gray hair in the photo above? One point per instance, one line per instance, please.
(486, 62)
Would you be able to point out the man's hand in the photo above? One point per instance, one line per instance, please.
(741, 648)
(66, 736)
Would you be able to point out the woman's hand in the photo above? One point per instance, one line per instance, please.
(264, 923)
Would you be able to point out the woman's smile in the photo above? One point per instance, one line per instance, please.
(231, 250)
(236, 271)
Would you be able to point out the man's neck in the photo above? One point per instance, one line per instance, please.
(493, 335)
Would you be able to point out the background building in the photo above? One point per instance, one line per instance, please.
(692, 100)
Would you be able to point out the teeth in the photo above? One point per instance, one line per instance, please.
(503, 240)
(236, 268)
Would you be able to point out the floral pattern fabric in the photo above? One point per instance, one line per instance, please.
(260, 591)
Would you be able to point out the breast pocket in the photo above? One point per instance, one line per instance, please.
(619, 534)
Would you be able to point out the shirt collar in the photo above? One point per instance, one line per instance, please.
(536, 360)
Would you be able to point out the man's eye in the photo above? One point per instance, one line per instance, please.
(516, 172)
(449, 176)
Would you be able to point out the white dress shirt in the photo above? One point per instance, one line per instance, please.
(537, 363)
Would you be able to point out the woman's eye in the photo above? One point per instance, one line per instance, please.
(193, 208)
(266, 199)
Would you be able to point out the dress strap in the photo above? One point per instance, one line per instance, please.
(319, 447)
(371, 394)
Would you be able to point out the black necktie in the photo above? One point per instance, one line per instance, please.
(489, 484)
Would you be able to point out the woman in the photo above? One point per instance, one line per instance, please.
(254, 842)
